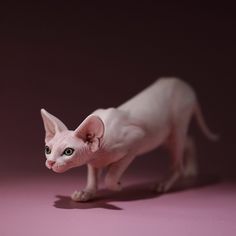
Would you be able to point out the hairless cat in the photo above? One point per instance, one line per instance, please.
(113, 137)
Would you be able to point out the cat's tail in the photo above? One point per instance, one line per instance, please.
(203, 126)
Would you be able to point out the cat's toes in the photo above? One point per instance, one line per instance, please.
(82, 196)
(162, 187)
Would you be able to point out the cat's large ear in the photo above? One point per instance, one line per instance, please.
(91, 131)
(52, 125)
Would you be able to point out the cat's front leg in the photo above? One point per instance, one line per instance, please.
(115, 172)
(91, 188)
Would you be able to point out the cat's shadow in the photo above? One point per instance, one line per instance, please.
(130, 193)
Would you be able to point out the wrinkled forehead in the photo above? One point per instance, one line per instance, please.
(63, 139)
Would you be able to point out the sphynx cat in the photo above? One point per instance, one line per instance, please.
(114, 137)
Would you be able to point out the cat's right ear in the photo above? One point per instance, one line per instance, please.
(52, 125)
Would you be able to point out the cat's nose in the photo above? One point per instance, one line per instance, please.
(50, 163)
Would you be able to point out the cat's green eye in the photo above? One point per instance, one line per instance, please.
(47, 150)
(68, 151)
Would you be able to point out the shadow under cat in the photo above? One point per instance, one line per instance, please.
(132, 193)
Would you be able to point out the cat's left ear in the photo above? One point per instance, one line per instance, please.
(91, 131)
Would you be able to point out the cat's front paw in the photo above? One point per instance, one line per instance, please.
(82, 196)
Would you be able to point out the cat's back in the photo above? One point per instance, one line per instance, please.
(157, 95)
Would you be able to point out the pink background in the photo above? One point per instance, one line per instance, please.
(72, 59)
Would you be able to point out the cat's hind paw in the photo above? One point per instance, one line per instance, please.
(82, 196)
(169, 183)
(162, 187)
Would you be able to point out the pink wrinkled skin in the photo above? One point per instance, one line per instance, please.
(113, 137)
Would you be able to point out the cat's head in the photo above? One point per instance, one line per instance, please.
(65, 149)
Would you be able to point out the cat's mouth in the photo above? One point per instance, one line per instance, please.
(59, 168)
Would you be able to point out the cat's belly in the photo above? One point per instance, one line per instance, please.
(153, 142)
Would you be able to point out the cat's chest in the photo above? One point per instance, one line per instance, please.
(103, 159)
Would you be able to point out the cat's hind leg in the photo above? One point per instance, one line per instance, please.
(190, 165)
(176, 146)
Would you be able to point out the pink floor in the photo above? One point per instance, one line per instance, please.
(40, 206)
